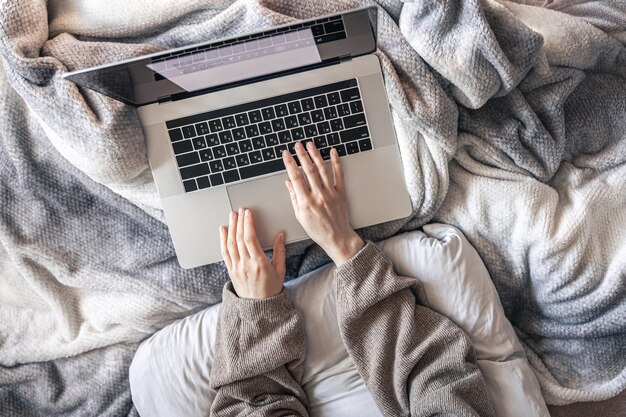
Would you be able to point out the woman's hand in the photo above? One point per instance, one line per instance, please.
(320, 206)
(250, 270)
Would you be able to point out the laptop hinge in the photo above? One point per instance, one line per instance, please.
(164, 99)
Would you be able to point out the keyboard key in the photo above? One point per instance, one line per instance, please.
(187, 159)
(175, 134)
(258, 143)
(341, 150)
(329, 38)
(242, 160)
(268, 113)
(294, 107)
(226, 136)
(268, 153)
(245, 145)
(281, 110)
(320, 101)
(203, 182)
(232, 149)
(182, 147)
(278, 124)
(350, 94)
(365, 144)
(310, 130)
(199, 143)
(216, 125)
(317, 116)
(320, 141)
(216, 166)
(352, 147)
(229, 122)
(212, 140)
(284, 136)
(297, 133)
(333, 139)
(255, 157)
(206, 155)
(242, 119)
(334, 98)
(307, 104)
(265, 128)
(252, 130)
(330, 112)
(189, 132)
(255, 116)
(353, 134)
(336, 124)
(202, 129)
(229, 163)
(325, 153)
(219, 151)
(279, 150)
(354, 120)
(291, 147)
(335, 26)
(231, 176)
(304, 119)
(291, 122)
(271, 139)
(190, 185)
(356, 106)
(260, 169)
(216, 179)
(239, 133)
(318, 30)
(194, 171)
(323, 128)
(343, 109)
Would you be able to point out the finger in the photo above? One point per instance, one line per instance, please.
(278, 256)
(309, 168)
(232, 238)
(252, 242)
(292, 195)
(224, 247)
(337, 170)
(327, 181)
(241, 246)
(296, 177)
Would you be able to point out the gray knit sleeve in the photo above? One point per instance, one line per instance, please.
(414, 361)
(259, 355)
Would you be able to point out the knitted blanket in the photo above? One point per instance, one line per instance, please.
(512, 127)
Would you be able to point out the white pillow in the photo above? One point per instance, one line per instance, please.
(169, 375)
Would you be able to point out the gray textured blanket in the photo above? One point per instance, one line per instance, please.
(512, 125)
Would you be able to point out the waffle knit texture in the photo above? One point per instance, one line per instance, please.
(414, 361)
(511, 122)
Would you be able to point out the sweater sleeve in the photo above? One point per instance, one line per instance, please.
(414, 361)
(259, 356)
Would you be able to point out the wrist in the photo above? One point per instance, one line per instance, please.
(345, 248)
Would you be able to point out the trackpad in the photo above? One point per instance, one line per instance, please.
(268, 199)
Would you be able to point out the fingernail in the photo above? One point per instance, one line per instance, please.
(247, 212)
(334, 151)
(298, 145)
(309, 145)
(240, 211)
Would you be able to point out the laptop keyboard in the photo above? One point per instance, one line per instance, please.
(246, 141)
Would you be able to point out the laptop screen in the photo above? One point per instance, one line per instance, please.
(229, 62)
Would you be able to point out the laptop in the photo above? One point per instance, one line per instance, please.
(217, 116)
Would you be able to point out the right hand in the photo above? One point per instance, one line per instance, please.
(320, 206)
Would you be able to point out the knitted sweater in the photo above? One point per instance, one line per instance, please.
(414, 361)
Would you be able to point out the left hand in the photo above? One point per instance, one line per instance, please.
(250, 270)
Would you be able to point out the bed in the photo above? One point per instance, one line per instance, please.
(511, 119)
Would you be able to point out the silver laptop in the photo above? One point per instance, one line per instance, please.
(217, 115)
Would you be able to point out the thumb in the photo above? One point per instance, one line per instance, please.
(278, 257)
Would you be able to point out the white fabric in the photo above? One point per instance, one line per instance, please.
(169, 375)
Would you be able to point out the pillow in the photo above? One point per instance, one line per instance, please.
(169, 375)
